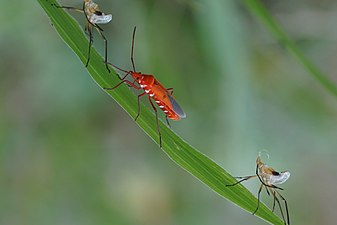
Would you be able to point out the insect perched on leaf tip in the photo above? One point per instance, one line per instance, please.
(155, 90)
(269, 178)
(94, 17)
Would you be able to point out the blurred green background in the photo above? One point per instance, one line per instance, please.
(70, 155)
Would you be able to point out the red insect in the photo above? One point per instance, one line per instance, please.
(155, 90)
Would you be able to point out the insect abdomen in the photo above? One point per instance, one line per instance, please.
(169, 112)
(165, 108)
(160, 95)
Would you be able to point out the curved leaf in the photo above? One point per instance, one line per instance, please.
(176, 148)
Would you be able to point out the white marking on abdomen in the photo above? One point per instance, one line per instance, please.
(161, 106)
(147, 90)
(165, 111)
(151, 95)
(157, 101)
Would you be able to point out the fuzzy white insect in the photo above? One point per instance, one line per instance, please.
(100, 19)
(94, 17)
(269, 178)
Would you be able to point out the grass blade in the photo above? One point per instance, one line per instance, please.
(176, 148)
(260, 11)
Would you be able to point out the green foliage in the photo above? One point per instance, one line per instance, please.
(256, 7)
(176, 148)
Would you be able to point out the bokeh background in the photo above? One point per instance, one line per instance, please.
(70, 155)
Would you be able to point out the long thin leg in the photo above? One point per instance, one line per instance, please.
(123, 81)
(279, 204)
(242, 179)
(267, 190)
(139, 96)
(167, 121)
(286, 204)
(123, 78)
(89, 28)
(127, 83)
(258, 199)
(86, 15)
(132, 49)
(106, 49)
(157, 122)
(68, 7)
(273, 209)
(119, 68)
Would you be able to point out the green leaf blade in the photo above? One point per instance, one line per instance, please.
(190, 159)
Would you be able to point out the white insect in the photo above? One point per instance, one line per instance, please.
(100, 19)
(94, 16)
(269, 178)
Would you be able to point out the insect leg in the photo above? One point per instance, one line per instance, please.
(267, 190)
(171, 90)
(123, 81)
(242, 179)
(274, 201)
(105, 48)
(133, 83)
(167, 121)
(139, 96)
(158, 129)
(128, 72)
(89, 28)
(68, 7)
(258, 199)
(279, 204)
(286, 204)
(123, 78)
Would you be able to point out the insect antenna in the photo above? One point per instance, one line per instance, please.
(132, 49)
